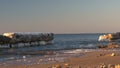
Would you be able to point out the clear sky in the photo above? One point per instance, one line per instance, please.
(60, 16)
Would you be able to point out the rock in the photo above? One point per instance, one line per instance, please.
(113, 54)
(103, 65)
(66, 65)
(111, 66)
(117, 66)
(109, 46)
(58, 66)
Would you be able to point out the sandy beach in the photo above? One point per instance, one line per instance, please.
(94, 59)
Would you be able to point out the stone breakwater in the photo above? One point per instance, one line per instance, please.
(12, 38)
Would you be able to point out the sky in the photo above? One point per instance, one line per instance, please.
(60, 16)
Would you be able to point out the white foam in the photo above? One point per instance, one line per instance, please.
(77, 51)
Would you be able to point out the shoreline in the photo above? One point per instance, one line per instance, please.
(88, 59)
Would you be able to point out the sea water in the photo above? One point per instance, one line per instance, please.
(63, 46)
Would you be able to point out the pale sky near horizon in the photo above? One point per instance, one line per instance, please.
(60, 16)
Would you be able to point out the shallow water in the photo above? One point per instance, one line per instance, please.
(52, 57)
(56, 56)
(64, 46)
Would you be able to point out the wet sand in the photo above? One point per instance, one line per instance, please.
(88, 60)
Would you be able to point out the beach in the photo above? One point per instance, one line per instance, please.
(93, 59)
(67, 51)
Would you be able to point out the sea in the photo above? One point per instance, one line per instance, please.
(63, 46)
